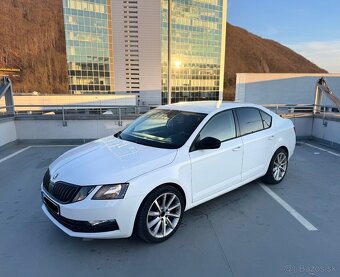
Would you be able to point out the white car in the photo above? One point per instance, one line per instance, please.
(169, 160)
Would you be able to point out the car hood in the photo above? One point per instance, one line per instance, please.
(107, 161)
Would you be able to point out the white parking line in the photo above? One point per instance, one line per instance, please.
(14, 154)
(28, 147)
(322, 149)
(309, 226)
(55, 145)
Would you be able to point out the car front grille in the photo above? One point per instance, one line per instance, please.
(60, 191)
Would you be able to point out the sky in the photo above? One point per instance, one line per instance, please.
(309, 27)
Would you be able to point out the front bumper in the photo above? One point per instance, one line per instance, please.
(80, 226)
(74, 218)
(100, 235)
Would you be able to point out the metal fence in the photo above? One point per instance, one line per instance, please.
(69, 112)
(305, 110)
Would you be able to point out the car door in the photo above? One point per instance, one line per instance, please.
(214, 170)
(258, 141)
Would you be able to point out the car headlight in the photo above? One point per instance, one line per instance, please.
(83, 193)
(108, 192)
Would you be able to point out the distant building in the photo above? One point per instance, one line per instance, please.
(122, 47)
(282, 88)
(89, 46)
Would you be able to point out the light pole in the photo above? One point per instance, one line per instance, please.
(100, 104)
(169, 48)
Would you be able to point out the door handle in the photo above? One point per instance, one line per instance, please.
(237, 148)
(271, 137)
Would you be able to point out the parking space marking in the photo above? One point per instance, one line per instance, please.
(309, 226)
(14, 154)
(322, 149)
(56, 145)
(33, 146)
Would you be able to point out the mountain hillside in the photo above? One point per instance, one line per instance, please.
(32, 40)
(248, 53)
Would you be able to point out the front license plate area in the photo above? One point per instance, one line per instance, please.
(51, 205)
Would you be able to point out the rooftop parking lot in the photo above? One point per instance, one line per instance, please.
(291, 229)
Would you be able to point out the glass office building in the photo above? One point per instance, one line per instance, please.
(121, 46)
(88, 34)
(198, 38)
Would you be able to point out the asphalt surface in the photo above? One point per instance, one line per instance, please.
(243, 233)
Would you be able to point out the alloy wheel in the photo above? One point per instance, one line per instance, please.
(163, 215)
(280, 166)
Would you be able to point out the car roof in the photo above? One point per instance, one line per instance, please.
(206, 107)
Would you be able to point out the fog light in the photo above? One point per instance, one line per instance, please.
(98, 222)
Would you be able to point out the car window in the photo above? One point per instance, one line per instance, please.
(250, 120)
(162, 128)
(266, 119)
(221, 126)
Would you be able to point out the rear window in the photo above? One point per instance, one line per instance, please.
(266, 119)
(250, 120)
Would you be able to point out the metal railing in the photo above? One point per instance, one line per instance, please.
(6, 90)
(69, 112)
(290, 108)
(304, 110)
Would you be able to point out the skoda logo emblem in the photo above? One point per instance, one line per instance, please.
(55, 176)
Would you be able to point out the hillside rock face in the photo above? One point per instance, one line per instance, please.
(248, 53)
(32, 40)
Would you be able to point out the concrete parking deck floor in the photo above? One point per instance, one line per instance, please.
(243, 233)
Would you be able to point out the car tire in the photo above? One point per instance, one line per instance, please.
(157, 220)
(277, 169)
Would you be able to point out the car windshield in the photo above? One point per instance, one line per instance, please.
(162, 128)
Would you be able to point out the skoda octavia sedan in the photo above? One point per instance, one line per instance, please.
(169, 160)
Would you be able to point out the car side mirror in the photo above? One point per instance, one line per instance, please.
(208, 143)
(116, 135)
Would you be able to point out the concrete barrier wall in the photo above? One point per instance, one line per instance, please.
(92, 129)
(303, 127)
(7, 131)
(75, 129)
(35, 129)
(327, 131)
